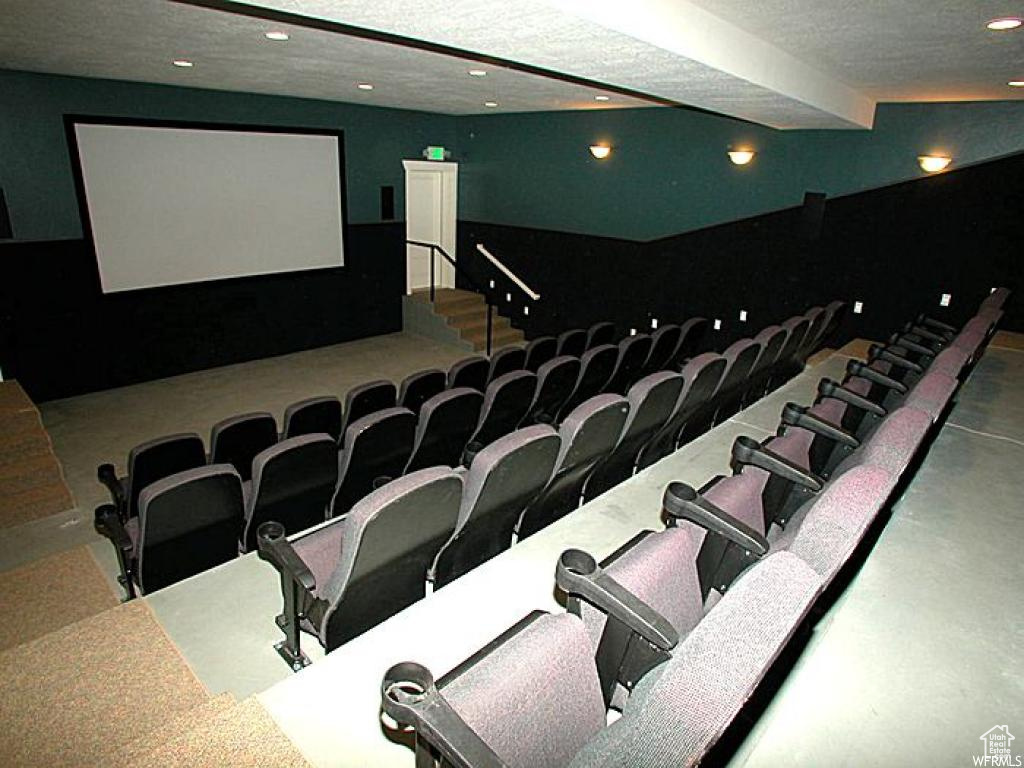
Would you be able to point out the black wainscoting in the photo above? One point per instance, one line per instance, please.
(63, 336)
(896, 248)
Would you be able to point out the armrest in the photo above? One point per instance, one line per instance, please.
(911, 342)
(887, 354)
(682, 502)
(857, 368)
(108, 523)
(577, 573)
(930, 322)
(410, 698)
(747, 451)
(926, 333)
(107, 475)
(279, 552)
(835, 390)
(794, 415)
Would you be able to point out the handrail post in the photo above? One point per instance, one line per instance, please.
(433, 254)
(490, 311)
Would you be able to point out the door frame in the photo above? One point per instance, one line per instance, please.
(449, 173)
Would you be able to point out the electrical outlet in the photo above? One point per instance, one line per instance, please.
(945, 299)
(718, 325)
(743, 315)
(526, 310)
(654, 322)
(858, 307)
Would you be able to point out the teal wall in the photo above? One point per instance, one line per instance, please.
(35, 170)
(669, 172)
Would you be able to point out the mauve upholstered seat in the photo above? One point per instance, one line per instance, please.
(540, 351)
(156, 459)
(691, 338)
(740, 358)
(311, 416)
(371, 397)
(572, 342)
(377, 448)
(555, 382)
(596, 367)
(504, 361)
(787, 365)
(417, 388)
(600, 333)
(445, 424)
(237, 440)
(664, 342)
(469, 372)
(505, 404)
(629, 365)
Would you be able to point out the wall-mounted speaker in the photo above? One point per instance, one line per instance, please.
(387, 203)
(5, 218)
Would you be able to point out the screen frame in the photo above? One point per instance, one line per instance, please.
(71, 120)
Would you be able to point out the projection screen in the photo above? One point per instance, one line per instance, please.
(169, 205)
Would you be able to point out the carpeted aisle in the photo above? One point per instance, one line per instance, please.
(51, 593)
(31, 482)
(78, 696)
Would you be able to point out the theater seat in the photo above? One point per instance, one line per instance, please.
(599, 334)
(237, 440)
(365, 399)
(596, 368)
(187, 523)
(629, 365)
(740, 360)
(555, 382)
(469, 372)
(505, 405)
(572, 342)
(292, 483)
(772, 339)
(377, 448)
(787, 364)
(691, 338)
(504, 361)
(502, 480)
(587, 435)
(313, 415)
(351, 574)
(540, 351)
(651, 401)
(664, 343)
(148, 462)
(444, 427)
(417, 388)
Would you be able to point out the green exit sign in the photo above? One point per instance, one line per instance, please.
(435, 153)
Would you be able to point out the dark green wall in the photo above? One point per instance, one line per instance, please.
(669, 172)
(35, 169)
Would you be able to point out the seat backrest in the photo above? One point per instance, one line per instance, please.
(417, 388)
(540, 351)
(896, 441)
(739, 360)
(445, 425)
(596, 368)
(771, 339)
(237, 440)
(633, 352)
(834, 314)
(292, 483)
(376, 446)
(188, 522)
(664, 343)
(587, 434)
(600, 333)
(691, 334)
(388, 542)
(502, 480)
(365, 399)
(313, 415)
(505, 404)
(798, 328)
(506, 360)
(816, 317)
(469, 372)
(572, 342)
(538, 662)
(555, 381)
(160, 458)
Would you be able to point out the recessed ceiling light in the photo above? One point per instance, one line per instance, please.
(1004, 23)
(602, 98)
(277, 36)
(490, 103)
(1016, 83)
(364, 86)
(478, 72)
(183, 63)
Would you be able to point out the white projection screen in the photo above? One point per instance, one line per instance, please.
(169, 205)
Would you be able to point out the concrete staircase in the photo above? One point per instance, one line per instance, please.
(464, 318)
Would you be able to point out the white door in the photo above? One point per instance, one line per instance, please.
(430, 213)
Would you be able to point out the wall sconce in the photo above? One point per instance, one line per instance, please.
(600, 151)
(741, 156)
(933, 163)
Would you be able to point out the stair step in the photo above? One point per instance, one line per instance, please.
(177, 726)
(502, 338)
(469, 322)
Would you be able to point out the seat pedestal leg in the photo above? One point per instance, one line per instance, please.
(290, 648)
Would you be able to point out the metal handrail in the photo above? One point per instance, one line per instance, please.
(508, 272)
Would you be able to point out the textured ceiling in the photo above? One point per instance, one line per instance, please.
(894, 50)
(138, 39)
(782, 63)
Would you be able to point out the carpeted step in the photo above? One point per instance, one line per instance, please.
(175, 728)
(244, 735)
(51, 593)
(79, 695)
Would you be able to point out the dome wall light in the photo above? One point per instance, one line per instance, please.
(933, 163)
(741, 156)
(1004, 23)
(600, 151)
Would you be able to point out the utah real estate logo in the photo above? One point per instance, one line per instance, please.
(998, 748)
